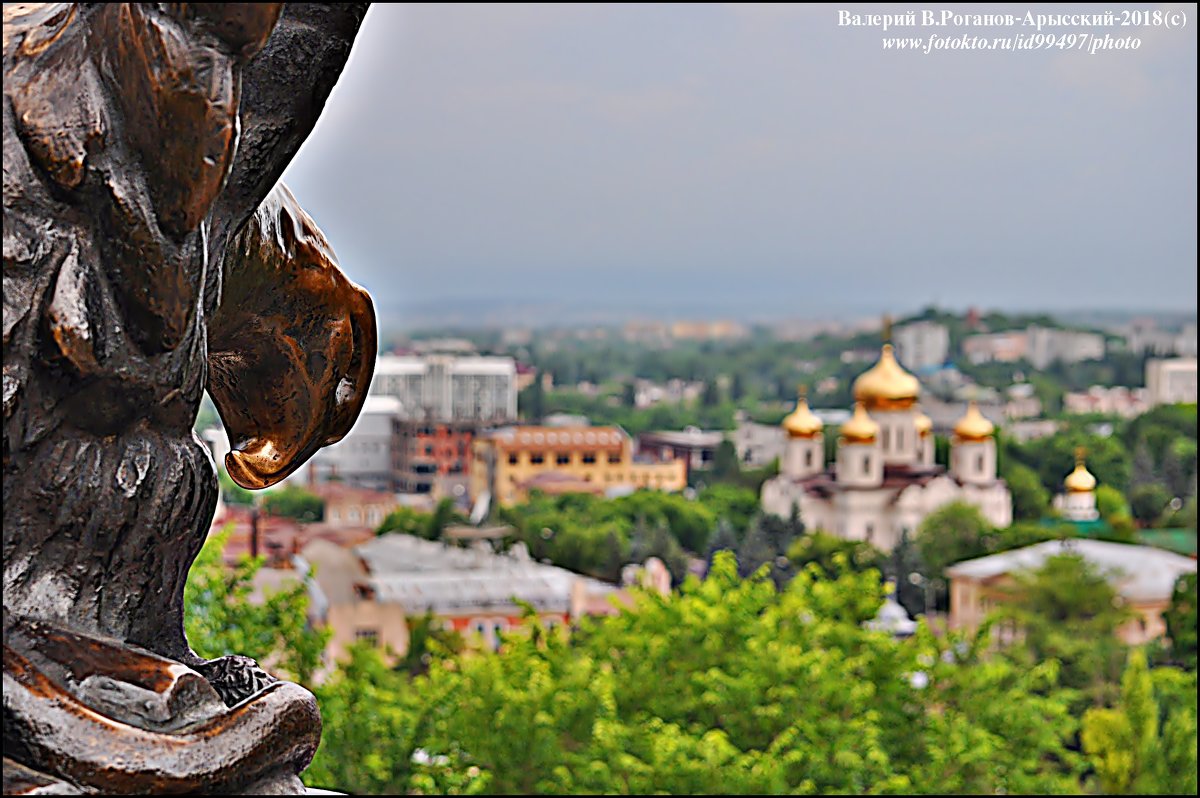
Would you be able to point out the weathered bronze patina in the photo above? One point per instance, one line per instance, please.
(150, 253)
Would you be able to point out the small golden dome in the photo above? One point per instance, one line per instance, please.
(801, 423)
(860, 428)
(1080, 480)
(973, 427)
(886, 386)
(923, 424)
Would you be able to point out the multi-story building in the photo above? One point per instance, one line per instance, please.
(1001, 347)
(922, 345)
(433, 456)
(885, 481)
(757, 444)
(647, 393)
(444, 401)
(449, 388)
(363, 458)
(347, 506)
(1185, 344)
(1047, 345)
(696, 447)
(1171, 381)
(1022, 402)
(507, 461)
(1115, 400)
(1144, 336)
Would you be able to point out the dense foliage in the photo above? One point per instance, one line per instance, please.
(732, 686)
(222, 619)
(292, 501)
(727, 687)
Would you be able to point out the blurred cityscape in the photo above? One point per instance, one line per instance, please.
(463, 425)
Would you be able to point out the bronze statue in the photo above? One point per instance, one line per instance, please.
(149, 254)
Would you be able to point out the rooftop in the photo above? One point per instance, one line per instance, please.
(542, 437)
(427, 575)
(692, 436)
(1139, 573)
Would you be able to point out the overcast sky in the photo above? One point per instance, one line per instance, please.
(745, 158)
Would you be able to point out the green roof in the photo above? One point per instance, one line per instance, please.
(1180, 541)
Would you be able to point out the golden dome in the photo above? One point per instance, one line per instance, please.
(923, 424)
(1080, 480)
(801, 423)
(886, 386)
(973, 427)
(860, 428)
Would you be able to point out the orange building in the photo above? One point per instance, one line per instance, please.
(509, 462)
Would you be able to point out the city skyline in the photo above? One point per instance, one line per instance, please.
(719, 160)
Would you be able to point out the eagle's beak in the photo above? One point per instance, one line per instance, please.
(291, 348)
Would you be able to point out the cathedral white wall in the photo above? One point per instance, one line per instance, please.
(803, 457)
(897, 435)
(859, 464)
(974, 462)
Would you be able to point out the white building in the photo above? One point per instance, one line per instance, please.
(884, 481)
(1114, 400)
(1144, 335)
(1001, 347)
(449, 388)
(1171, 381)
(363, 458)
(922, 345)
(1185, 345)
(1047, 345)
(758, 444)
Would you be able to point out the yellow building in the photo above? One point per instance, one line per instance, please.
(511, 462)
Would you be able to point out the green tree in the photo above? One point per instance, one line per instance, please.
(1142, 468)
(726, 687)
(406, 521)
(833, 555)
(737, 390)
(725, 539)
(732, 503)
(444, 514)
(222, 618)
(427, 640)
(1067, 611)
(1110, 503)
(725, 461)
(1031, 500)
(1180, 617)
(233, 493)
(1149, 502)
(292, 501)
(954, 532)
(1133, 752)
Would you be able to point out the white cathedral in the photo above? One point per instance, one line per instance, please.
(884, 481)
